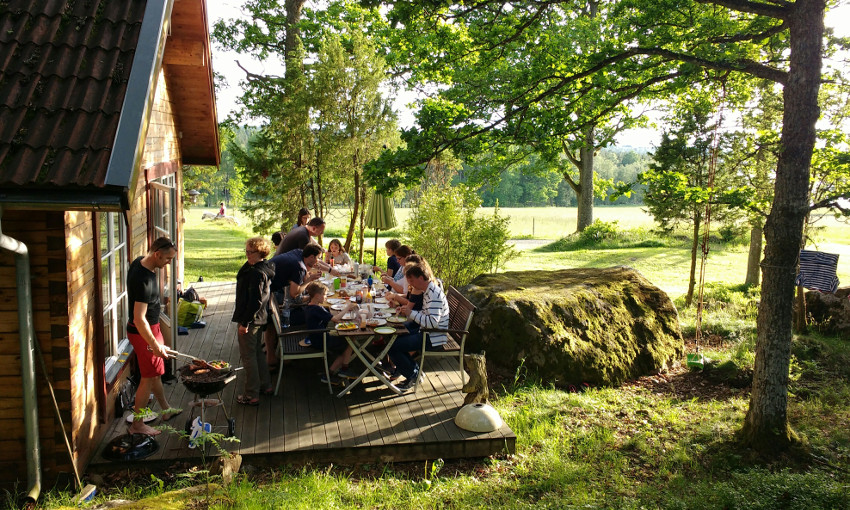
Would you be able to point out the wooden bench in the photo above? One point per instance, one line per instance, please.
(460, 317)
(289, 345)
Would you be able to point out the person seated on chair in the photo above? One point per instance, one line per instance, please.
(318, 317)
(336, 254)
(393, 264)
(409, 294)
(434, 315)
(292, 272)
(396, 282)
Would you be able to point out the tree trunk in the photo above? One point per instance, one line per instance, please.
(766, 426)
(754, 257)
(692, 280)
(585, 179)
(294, 67)
(349, 237)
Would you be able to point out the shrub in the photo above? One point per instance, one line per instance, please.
(459, 245)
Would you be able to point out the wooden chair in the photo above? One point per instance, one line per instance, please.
(289, 345)
(460, 317)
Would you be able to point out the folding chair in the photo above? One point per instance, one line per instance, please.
(289, 345)
(460, 317)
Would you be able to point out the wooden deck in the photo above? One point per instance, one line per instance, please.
(306, 424)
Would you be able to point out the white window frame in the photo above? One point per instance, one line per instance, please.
(114, 253)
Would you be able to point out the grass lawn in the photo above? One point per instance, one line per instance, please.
(665, 441)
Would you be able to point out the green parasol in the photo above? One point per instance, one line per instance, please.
(381, 216)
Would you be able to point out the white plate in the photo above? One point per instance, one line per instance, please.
(376, 322)
(349, 316)
(380, 306)
(380, 300)
(386, 330)
(336, 300)
(346, 326)
(398, 319)
(338, 306)
(381, 315)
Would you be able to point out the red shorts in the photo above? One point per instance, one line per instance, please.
(150, 365)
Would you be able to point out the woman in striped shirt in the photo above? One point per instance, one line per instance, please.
(434, 315)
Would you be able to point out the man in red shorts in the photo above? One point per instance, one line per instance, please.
(143, 328)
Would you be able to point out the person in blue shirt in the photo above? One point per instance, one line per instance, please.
(318, 317)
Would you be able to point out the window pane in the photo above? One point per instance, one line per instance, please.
(103, 221)
(120, 271)
(108, 339)
(116, 229)
(105, 276)
(121, 318)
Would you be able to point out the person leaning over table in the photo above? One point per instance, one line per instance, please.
(292, 271)
(396, 282)
(299, 237)
(318, 317)
(253, 291)
(434, 315)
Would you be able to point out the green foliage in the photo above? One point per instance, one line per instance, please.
(444, 229)
(605, 235)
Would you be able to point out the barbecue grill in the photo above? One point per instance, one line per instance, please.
(204, 383)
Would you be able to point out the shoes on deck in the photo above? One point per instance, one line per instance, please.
(335, 380)
(407, 385)
(347, 373)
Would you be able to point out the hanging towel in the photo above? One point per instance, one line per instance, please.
(818, 271)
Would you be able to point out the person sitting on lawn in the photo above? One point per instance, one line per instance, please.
(318, 317)
(434, 315)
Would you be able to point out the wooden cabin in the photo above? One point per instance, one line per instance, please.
(101, 104)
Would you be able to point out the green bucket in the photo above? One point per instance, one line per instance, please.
(696, 361)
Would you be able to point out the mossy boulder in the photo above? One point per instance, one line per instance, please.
(600, 326)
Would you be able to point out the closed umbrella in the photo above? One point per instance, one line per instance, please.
(381, 216)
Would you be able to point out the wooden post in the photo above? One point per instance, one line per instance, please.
(800, 322)
(476, 388)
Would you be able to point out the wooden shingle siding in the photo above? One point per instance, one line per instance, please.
(163, 142)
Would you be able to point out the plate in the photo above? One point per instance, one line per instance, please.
(386, 330)
(380, 306)
(380, 300)
(381, 315)
(338, 306)
(349, 316)
(376, 322)
(397, 319)
(336, 301)
(346, 326)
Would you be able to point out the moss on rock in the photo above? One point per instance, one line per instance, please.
(601, 326)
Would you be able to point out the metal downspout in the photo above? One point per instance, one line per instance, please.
(25, 326)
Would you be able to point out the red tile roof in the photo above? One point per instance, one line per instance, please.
(64, 67)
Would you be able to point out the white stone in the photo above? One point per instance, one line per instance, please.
(478, 418)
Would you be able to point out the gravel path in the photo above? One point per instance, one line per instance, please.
(528, 244)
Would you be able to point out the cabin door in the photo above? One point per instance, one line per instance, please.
(164, 223)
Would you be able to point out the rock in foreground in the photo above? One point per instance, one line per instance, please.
(601, 326)
(830, 312)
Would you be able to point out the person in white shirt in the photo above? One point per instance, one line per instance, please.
(434, 315)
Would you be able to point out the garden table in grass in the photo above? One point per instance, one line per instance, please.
(359, 339)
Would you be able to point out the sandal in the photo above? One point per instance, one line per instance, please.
(247, 401)
(267, 392)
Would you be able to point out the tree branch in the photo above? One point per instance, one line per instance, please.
(775, 9)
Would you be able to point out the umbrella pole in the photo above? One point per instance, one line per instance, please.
(375, 255)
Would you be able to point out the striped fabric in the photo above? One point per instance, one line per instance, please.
(818, 271)
(434, 314)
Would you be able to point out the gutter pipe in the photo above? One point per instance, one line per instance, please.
(25, 327)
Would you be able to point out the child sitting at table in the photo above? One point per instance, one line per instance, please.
(393, 265)
(318, 317)
(336, 253)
